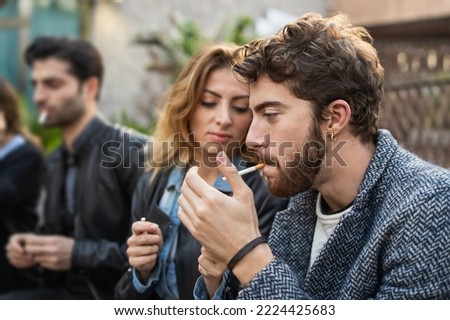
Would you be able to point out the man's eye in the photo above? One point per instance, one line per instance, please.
(270, 115)
(54, 84)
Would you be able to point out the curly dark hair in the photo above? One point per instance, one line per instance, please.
(321, 60)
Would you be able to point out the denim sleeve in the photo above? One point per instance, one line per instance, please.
(201, 292)
(150, 283)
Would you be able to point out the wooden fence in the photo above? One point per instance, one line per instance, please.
(416, 104)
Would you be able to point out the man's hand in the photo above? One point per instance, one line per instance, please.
(222, 224)
(16, 253)
(51, 252)
(144, 246)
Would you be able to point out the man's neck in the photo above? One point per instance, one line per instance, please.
(343, 179)
(71, 132)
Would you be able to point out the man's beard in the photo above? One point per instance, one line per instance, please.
(71, 111)
(299, 174)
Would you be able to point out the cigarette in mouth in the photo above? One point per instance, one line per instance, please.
(248, 170)
(42, 117)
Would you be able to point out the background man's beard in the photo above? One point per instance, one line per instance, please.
(72, 110)
(299, 174)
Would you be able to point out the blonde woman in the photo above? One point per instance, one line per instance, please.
(205, 111)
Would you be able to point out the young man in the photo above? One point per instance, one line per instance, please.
(90, 179)
(367, 219)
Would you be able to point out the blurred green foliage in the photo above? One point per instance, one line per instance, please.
(241, 32)
(186, 38)
(50, 138)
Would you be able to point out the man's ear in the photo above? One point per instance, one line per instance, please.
(337, 116)
(92, 87)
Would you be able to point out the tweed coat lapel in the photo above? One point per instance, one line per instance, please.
(351, 234)
(293, 232)
(403, 256)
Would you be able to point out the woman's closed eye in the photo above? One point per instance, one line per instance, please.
(208, 104)
(241, 109)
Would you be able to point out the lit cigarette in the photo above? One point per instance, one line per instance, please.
(248, 170)
(42, 117)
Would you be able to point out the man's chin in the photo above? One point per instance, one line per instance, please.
(285, 188)
(280, 191)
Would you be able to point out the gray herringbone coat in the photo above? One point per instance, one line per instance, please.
(394, 244)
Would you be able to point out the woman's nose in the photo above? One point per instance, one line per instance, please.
(223, 117)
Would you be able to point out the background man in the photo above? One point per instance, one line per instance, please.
(87, 209)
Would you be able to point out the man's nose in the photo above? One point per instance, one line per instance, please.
(39, 95)
(257, 136)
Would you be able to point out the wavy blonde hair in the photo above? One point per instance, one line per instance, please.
(173, 144)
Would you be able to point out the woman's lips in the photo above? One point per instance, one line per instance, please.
(220, 137)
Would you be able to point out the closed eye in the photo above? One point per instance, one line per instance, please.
(241, 110)
(208, 104)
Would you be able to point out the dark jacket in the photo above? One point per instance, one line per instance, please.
(109, 161)
(21, 178)
(147, 195)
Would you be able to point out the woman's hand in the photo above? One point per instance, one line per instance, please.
(212, 271)
(144, 246)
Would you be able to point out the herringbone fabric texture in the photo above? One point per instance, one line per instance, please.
(394, 244)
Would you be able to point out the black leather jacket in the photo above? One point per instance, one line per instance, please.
(146, 197)
(109, 160)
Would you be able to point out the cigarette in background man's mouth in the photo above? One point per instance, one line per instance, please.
(42, 117)
(248, 170)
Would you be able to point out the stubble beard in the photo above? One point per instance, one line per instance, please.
(71, 111)
(300, 174)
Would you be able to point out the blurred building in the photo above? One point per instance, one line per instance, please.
(113, 27)
(411, 36)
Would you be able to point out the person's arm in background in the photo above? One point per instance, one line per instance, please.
(25, 170)
(22, 179)
(132, 285)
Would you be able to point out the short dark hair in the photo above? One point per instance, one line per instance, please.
(322, 60)
(84, 59)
